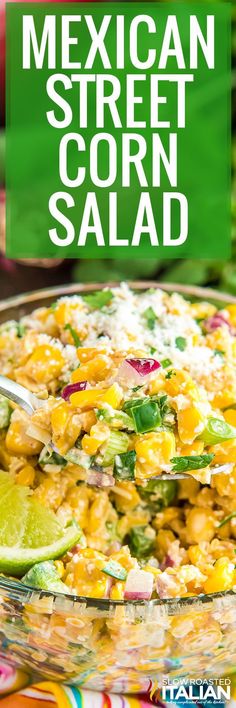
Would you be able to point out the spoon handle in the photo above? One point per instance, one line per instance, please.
(19, 394)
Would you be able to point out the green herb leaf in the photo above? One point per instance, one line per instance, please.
(20, 331)
(150, 318)
(219, 352)
(98, 299)
(170, 374)
(191, 462)
(181, 343)
(226, 519)
(165, 363)
(75, 336)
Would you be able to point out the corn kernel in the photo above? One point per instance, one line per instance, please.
(26, 476)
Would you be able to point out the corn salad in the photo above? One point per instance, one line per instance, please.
(132, 385)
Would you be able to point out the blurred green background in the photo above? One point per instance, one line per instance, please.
(15, 277)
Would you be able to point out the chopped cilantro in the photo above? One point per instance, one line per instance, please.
(191, 462)
(165, 363)
(150, 317)
(97, 300)
(181, 343)
(219, 352)
(20, 330)
(170, 374)
(75, 336)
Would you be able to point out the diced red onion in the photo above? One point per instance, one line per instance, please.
(73, 388)
(168, 562)
(109, 583)
(214, 322)
(137, 371)
(139, 585)
(98, 479)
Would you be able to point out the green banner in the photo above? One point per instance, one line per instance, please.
(118, 130)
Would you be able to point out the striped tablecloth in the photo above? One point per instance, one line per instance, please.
(15, 692)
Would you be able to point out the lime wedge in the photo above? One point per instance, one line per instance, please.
(29, 533)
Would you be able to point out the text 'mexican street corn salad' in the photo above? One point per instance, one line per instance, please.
(131, 386)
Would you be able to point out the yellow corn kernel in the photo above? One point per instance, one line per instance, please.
(88, 419)
(153, 451)
(231, 309)
(224, 452)
(117, 591)
(90, 445)
(65, 427)
(64, 312)
(78, 499)
(26, 476)
(95, 370)
(97, 397)
(195, 448)
(49, 493)
(98, 513)
(180, 382)
(190, 423)
(200, 525)
(87, 399)
(163, 540)
(197, 556)
(18, 442)
(225, 484)
(60, 568)
(222, 577)
(202, 309)
(112, 396)
(230, 416)
(60, 416)
(99, 433)
(45, 363)
(156, 384)
(126, 496)
(85, 354)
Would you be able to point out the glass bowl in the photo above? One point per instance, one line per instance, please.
(103, 644)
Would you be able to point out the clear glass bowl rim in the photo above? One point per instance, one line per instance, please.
(37, 298)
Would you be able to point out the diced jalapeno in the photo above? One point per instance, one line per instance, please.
(141, 540)
(146, 417)
(115, 570)
(158, 494)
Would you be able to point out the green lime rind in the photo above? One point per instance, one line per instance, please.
(17, 561)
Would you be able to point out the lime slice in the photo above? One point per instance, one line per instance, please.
(29, 533)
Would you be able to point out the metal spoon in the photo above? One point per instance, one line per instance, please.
(20, 395)
(29, 402)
